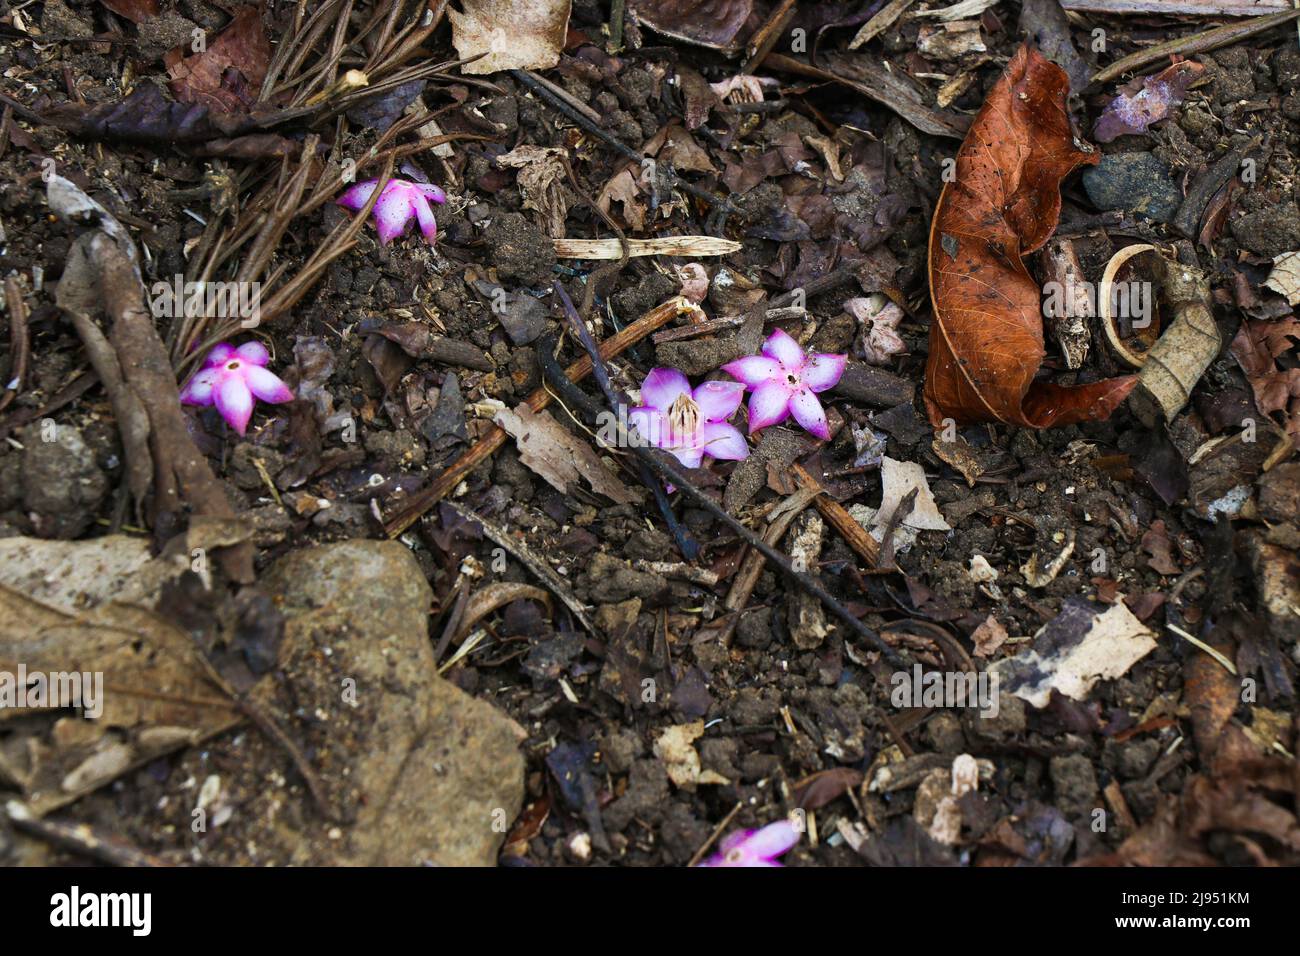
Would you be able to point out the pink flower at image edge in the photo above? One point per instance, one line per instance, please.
(785, 381)
(689, 423)
(231, 378)
(401, 201)
(755, 847)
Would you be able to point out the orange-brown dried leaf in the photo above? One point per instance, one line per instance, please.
(986, 339)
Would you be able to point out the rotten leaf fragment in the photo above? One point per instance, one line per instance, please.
(559, 456)
(509, 34)
(1145, 101)
(986, 340)
(1073, 651)
(228, 74)
(711, 23)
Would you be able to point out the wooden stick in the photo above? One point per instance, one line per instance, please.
(853, 533)
(426, 498)
(691, 246)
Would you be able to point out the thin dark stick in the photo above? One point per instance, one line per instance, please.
(688, 546)
(659, 463)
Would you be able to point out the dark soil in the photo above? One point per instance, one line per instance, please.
(397, 411)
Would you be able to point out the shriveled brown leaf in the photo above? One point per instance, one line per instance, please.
(986, 340)
(1255, 347)
(711, 23)
(557, 455)
(514, 34)
(227, 75)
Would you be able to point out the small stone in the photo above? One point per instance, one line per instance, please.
(1133, 182)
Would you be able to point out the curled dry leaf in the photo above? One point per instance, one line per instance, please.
(986, 340)
(509, 34)
(711, 23)
(228, 74)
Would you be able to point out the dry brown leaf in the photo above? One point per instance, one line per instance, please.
(514, 34)
(541, 178)
(711, 23)
(227, 75)
(155, 696)
(986, 340)
(557, 455)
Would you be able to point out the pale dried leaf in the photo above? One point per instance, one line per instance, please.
(514, 34)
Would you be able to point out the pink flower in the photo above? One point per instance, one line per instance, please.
(755, 847)
(397, 204)
(784, 382)
(689, 424)
(231, 378)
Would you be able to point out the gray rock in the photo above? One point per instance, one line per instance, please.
(1133, 182)
(63, 485)
(423, 772)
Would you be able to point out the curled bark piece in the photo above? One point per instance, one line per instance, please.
(1184, 350)
(1066, 313)
(1106, 301)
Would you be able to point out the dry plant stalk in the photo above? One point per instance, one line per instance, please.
(689, 246)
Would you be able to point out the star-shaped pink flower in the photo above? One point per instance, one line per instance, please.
(400, 201)
(689, 424)
(755, 847)
(784, 382)
(231, 378)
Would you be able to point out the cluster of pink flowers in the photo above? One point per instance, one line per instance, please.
(692, 424)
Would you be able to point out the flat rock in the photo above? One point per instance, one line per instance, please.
(425, 773)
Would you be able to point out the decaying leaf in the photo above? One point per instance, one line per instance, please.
(898, 479)
(1073, 651)
(676, 748)
(541, 177)
(514, 34)
(711, 23)
(557, 455)
(986, 340)
(153, 695)
(1145, 101)
(228, 74)
(1285, 277)
(1256, 346)
(988, 637)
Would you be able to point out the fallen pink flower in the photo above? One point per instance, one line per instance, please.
(755, 847)
(784, 382)
(689, 424)
(231, 378)
(400, 201)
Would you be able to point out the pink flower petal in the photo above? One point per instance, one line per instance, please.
(784, 349)
(392, 212)
(266, 385)
(768, 405)
(721, 440)
(809, 413)
(198, 391)
(753, 370)
(431, 192)
(219, 355)
(773, 840)
(424, 216)
(822, 370)
(357, 197)
(254, 353)
(718, 401)
(649, 424)
(662, 386)
(690, 457)
(234, 401)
